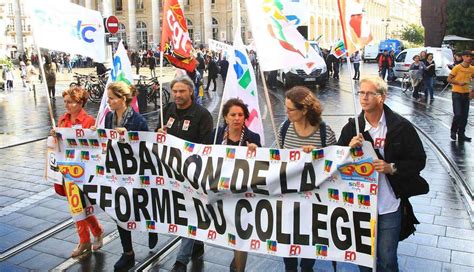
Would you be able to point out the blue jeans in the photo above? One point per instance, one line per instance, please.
(461, 112)
(388, 232)
(428, 83)
(186, 250)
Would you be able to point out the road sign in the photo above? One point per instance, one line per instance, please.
(112, 39)
(111, 24)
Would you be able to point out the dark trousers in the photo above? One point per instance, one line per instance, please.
(416, 90)
(292, 264)
(383, 72)
(52, 91)
(461, 112)
(125, 239)
(335, 69)
(209, 83)
(356, 70)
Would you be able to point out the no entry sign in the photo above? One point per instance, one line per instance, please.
(111, 24)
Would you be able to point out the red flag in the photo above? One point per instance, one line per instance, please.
(355, 26)
(175, 42)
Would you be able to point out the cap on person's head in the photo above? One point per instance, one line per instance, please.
(466, 53)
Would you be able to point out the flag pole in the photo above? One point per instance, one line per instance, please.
(161, 86)
(43, 75)
(356, 121)
(269, 105)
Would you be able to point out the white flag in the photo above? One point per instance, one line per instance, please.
(121, 71)
(241, 83)
(67, 27)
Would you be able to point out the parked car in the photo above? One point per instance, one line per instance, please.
(297, 75)
(391, 44)
(371, 52)
(442, 58)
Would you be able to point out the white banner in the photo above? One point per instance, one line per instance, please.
(319, 205)
(220, 47)
(67, 27)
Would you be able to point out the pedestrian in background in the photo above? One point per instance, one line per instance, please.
(400, 159)
(304, 129)
(416, 71)
(429, 76)
(7, 75)
(75, 99)
(152, 64)
(212, 72)
(50, 74)
(356, 60)
(385, 62)
(460, 77)
(30, 75)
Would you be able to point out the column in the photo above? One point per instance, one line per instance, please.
(155, 22)
(107, 8)
(235, 19)
(89, 4)
(132, 25)
(18, 27)
(207, 17)
(81, 2)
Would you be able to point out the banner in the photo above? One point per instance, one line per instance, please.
(241, 83)
(67, 27)
(217, 46)
(175, 41)
(274, 29)
(338, 49)
(355, 25)
(319, 205)
(121, 71)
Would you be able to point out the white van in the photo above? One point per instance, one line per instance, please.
(442, 58)
(370, 52)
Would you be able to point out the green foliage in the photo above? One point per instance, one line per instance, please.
(460, 19)
(413, 33)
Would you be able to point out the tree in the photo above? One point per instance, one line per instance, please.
(460, 18)
(413, 33)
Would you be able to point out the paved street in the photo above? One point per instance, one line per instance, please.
(444, 240)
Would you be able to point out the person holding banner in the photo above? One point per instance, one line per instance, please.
(234, 132)
(76, 117)
(303, 129)
(122, 118)
(401, 158)
(187, 120)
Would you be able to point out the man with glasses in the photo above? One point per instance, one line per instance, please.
(401, 157)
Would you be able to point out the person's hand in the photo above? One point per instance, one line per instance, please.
(94, 128)
(162, 130)
(121, 130)
(252, 147)
(308, 148)
(382, 167)
(52, 132)
(356, 141)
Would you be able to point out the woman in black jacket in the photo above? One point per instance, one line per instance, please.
(212, 73)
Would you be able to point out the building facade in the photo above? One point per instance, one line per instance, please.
(140, 20)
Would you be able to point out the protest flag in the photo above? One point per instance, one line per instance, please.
(121, 71)
(339, 49)
(355, 26)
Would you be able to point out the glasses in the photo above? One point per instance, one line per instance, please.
(370, 94)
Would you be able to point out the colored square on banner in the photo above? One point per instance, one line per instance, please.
(145, 180)
(188, 147)
(85, 155)
(348, 197)
(322, 250)
(150, 225)
(224, 183)
(71, 142)
(363, 200)
(327, 166)
(94, 142)
(231, 238)
(274, 154)
(99, 170)
(272, 246)
(317, 154)
(133, 136)
(102, 133)
(192, 230)
(84, 142)
(70, 154)
(333, 194)
(230, 153)
(357, 152)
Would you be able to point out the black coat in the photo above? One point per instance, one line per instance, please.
(212, 69)
(249, 136)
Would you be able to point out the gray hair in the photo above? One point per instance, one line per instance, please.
(380, 84)
(183, 79)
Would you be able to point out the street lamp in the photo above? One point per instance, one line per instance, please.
(387, 22)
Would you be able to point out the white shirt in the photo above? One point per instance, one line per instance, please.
(387, 202)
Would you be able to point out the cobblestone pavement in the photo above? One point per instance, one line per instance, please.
(444, 240)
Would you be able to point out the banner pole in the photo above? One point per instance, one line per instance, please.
(269, 105)
(43, 75)
(354, 98)
(161, 88)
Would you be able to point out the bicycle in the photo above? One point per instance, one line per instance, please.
(152, 88)
(407, 83)
(94, 87)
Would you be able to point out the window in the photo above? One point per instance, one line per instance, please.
(401, 57)
(121, 34)
(139, 5)
(23, 25)
(12, 24)
(190, 29)
(142, 35)
(215, 29)
(29, 28)
(118, 5)
(10, 9)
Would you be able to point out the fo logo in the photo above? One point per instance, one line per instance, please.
(350, 256)
(131, 225)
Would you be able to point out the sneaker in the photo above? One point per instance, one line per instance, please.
(464, 138)
(453, 136)
(198, 250)
(81, 249)
(152, 239)
(178, 267)
(98, 241)
(125, 262)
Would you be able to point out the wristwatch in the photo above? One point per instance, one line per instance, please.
(394, 168)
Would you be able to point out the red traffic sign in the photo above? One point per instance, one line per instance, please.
(112, 24)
